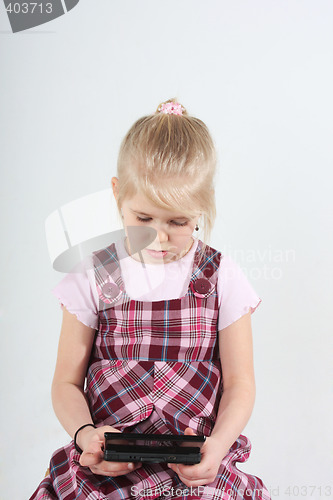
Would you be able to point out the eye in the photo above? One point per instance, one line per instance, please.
(179, 223)
(140, 219)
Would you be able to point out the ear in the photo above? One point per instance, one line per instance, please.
(114, 185)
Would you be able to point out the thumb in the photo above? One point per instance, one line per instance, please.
(93, 453)
(189, 432)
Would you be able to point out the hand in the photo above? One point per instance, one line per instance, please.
(204, 472)
(91, 442)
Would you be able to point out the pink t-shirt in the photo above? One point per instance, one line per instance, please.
(154, 282)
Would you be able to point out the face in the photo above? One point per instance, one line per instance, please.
(174, 229)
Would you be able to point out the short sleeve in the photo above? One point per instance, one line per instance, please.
(236, 294)
(75, 292)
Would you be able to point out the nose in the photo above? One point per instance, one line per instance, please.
(162, 233)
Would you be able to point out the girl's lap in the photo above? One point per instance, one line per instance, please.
(68, 479)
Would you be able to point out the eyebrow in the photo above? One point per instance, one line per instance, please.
(147, 215)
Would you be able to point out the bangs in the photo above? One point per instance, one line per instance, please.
(170, 194)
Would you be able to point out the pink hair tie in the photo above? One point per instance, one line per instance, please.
(171, 108)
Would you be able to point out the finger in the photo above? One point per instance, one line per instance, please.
(192, 471)
(114, 469)
(190, 479)
(92, 455)
(189, 432)
(197, 478)
(95, 444)
(87, 458)
(102, 472)
(197, 482)
(173, 467)
(102, 430)
(178, 469)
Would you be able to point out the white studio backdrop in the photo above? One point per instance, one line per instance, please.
(259, 73)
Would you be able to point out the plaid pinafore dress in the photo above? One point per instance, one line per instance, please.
(154, 368)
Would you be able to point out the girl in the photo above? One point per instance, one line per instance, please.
(149, 327)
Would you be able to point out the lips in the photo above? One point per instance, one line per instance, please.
(157, 253)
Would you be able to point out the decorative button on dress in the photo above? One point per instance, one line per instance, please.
(154, 368)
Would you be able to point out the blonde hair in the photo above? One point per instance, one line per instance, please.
(160, 148)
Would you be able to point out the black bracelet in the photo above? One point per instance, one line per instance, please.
(75, 436)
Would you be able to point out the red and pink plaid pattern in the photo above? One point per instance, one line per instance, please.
(154, 368)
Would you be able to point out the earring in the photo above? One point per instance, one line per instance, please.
(197, 227)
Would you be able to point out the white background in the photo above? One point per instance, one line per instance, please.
(259, 73)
